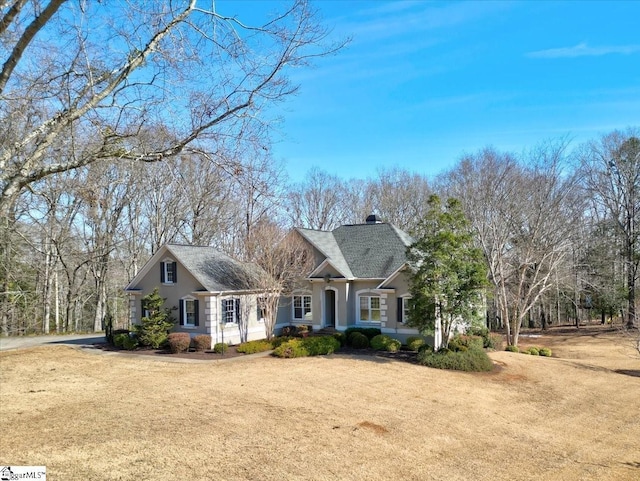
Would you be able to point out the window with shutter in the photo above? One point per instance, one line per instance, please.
(168, 272)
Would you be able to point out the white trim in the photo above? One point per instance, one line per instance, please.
(392, 276)
(165, 263)
(184, 312)
(382, 308)
(390, 330)
(323, 264)
(302, 294)
(404, 299)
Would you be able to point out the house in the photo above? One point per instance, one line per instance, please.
(359, 279)
(206, 291)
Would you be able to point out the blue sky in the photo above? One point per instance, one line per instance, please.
(421, 83)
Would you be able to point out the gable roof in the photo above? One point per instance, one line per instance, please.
(366, 251)
(213, 269)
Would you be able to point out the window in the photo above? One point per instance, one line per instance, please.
(403, 309)
(370, 308)
(262, 310)
(189, 312)
(230, 310)
(301, 307)
(168, 272)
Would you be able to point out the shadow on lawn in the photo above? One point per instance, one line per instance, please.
(628, 372)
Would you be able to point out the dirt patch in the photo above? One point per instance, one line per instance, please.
(376, 428)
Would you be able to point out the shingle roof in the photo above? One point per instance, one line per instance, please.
(215, 270)
(369, 251)
(326, 243)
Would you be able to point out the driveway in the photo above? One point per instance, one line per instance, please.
(19, 342)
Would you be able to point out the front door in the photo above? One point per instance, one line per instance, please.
(330, 308)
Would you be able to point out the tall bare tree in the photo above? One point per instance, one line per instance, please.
(610, 170)
(522, 214)
(318, 202)
(114, 68)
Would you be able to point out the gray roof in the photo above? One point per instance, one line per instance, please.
(326, 243)
(366, 251)
(215, 270)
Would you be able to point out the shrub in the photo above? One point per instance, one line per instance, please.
(512, 348)
(277, 341)
(414, 343)
(291, 348)
(464, 343)
(370, 332)
(130, 343)
(253, 347)
(120, 338)
(533, 351)
(308, 346)
(471, 360)
(479, 331)
(382, 342)
(321, 345)
(545, 351)
(202, 342)
(302, 330)
(341, 337)
(288, 331)
(493, 341)
(179, 341)
(220, 347)
(153, 330)
(358, 340)
(425, 348)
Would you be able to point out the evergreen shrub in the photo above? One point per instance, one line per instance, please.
(220, 347)
(120, 338)
(545, 351)
(370, 332)
(253, 347)
(130, 343)
(471, 360)
(414, 343)
(308, 346)
(341, 337)
(382, 342)
(358, 340)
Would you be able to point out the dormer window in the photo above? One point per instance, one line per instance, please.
(168, 271)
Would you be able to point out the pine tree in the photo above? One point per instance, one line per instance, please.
(448, 272)
(154, 328)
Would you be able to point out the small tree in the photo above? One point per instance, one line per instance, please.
(448, 272)
(285, 259)
(154, 328)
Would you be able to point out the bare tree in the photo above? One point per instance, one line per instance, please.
(610, 171)
(115, 68)
(285, 260)
(318, 202)
(523, 217)
(399, 197)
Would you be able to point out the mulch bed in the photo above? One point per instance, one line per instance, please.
(231, 352)
(407, 356)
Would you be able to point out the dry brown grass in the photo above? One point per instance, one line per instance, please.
(95, 417)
